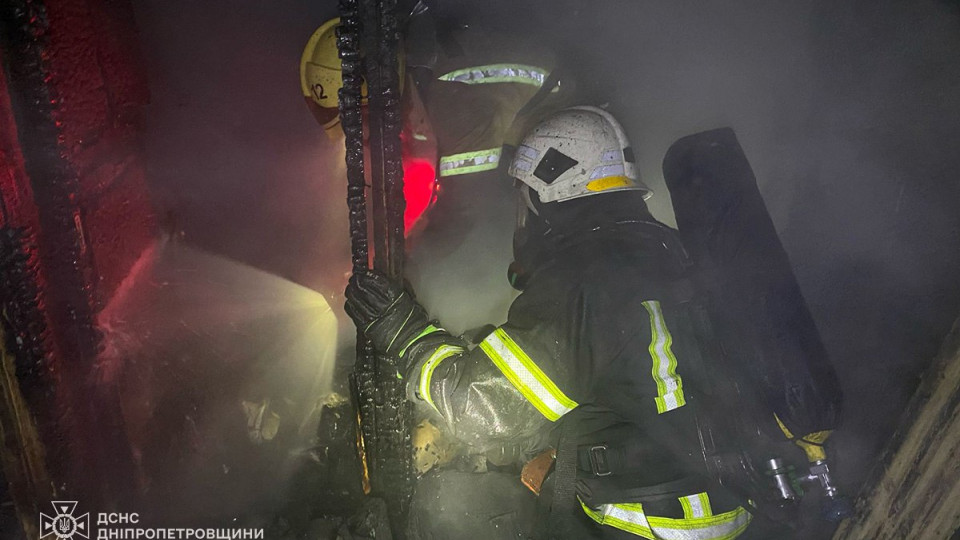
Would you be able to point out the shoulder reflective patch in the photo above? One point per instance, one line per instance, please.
(631, 518)
(669, 384)
(426, 371)
(525, 376)
(470, 162)
(497, 73)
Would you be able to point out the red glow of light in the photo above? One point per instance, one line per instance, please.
(419, 179)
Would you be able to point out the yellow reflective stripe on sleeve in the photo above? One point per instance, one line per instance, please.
(426, 332)
(525, 376)
(631, 518)
(696, 506)
(497, 73)
(669, 385)
(428, 367)
(470, 162)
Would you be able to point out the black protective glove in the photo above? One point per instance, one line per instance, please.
(386, 313)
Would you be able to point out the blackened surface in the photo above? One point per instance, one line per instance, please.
(24, 25)
(84, 437)
(25, 328)
(387, 430)
(94, 68)
(351, 118)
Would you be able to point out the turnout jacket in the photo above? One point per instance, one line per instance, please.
(600, 333)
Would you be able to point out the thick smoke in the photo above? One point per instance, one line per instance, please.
(848, 112)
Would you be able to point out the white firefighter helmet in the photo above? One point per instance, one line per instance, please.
(577, 152)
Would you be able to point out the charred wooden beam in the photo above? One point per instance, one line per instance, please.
(915, 490)
(87, 452)
(368, 41)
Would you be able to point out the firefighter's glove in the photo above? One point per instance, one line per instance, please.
(386, 313)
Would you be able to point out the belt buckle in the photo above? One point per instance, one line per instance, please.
(598, 460)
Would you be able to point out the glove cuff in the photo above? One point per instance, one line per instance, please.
(404, 322)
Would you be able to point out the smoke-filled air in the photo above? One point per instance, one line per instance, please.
(451, 269)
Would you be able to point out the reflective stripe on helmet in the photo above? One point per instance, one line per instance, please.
(426, 371)
(525, 376)
(604, 171)
(696, 506)
(497, 73)
(469, 162)
(669, 384)
(631, 518)
(610, 182)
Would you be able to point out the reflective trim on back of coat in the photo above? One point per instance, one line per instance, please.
(498, 73)
(526, 376)
(470, 162)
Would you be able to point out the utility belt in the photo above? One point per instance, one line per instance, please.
(615, 473)
(601, 459)
(618, 472)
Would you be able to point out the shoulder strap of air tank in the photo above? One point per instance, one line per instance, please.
(564, 507)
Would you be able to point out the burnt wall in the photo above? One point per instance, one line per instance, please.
(71, 172)
(94, 68)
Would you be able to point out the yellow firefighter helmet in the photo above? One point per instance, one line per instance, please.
(320, 77)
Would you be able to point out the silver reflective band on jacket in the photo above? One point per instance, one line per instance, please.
(669, 384)
(631, 518)
(526, 377)
(470, 162)
(497, 73)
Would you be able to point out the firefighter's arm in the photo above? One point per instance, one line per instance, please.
(479, 403)
(492, 393)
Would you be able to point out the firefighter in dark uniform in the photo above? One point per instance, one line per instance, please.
(483, 90)
(469, 94)
(597, 359)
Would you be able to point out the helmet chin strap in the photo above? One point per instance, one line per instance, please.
(525, 191)
(530, 238)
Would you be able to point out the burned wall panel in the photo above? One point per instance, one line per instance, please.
(76, 87)
(95, 68)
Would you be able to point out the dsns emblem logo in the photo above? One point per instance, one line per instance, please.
(63, 524)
